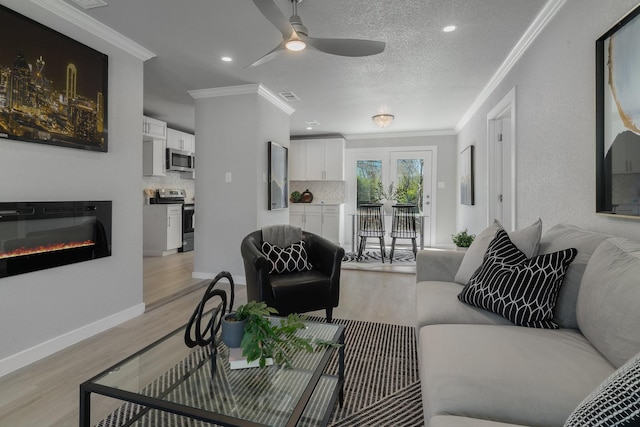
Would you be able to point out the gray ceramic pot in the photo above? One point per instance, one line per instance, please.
(232, 330)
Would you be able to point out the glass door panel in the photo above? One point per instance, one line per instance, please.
(411, 173)
(369, 177)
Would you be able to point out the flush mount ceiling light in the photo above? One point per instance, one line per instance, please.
(449, 28)
(383, 120)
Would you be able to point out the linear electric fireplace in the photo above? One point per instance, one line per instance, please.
(39, 235)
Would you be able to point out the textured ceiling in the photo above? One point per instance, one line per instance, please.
(426, 78)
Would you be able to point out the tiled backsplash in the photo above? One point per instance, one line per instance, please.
(172, 180)
(323, 191)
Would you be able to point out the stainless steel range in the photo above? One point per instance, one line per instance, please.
(177, 196)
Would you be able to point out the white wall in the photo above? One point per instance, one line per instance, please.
(43, 311)
(555, 107)
(233, 132)
(446, 172)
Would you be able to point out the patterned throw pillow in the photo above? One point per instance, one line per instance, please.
(286, 260)
(616, 402)
(524, 290)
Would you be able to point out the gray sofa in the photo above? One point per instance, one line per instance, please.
(479, 369)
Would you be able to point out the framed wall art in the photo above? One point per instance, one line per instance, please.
(278, 176)
(466, 176)
(618, 118)
(53, 89)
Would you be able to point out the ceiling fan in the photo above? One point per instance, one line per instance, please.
(295, 36)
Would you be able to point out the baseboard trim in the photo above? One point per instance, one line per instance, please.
(47, 348)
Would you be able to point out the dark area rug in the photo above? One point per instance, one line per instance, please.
(381, 381)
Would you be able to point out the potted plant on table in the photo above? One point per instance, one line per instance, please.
(265, 338)
(462, 240)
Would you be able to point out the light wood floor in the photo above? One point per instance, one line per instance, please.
(46, 393)
(167, 277)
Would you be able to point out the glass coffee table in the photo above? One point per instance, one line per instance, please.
(172, 383)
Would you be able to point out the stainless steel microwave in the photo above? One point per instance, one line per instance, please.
(180, 160)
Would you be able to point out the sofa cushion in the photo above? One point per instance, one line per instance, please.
(561, 237)
(454, 421)
(524, 290)
(437, 303)
(607, 309)
(615, 402)
(526, 239)
(534, 377)
(286, 260)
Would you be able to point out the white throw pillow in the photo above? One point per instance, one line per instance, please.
(526, 239)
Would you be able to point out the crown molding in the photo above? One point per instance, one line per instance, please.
(547, 13)
(243, 90)
(89, 24)
(387, 135)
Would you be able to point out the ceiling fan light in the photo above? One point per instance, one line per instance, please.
(295, 45)
(383, 120)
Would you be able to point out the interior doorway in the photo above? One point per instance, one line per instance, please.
(501, 159)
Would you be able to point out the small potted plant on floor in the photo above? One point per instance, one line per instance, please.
(267, 338)
(462, 240)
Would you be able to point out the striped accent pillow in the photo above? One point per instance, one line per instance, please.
(524, 290)
(286, 260)
(616, 402)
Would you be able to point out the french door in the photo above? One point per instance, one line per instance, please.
(404, 176)
(411, 171)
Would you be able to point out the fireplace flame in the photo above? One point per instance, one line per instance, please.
(22, 251)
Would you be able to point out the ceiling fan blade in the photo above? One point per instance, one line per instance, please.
(271, 11)
(345, 47)
(269, 56)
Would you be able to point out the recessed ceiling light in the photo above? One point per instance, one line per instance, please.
(309, 128)
(449, 28)
(227, 59)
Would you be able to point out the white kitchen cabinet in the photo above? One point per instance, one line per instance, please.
(316, 159)
(181, 140)
(153, 128)
(625, 154)
(162, 229)
(333, 223)
(323, 220)
(153, 157)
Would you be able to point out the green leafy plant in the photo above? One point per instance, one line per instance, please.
(463, 239)
(391, 193)
(266, 338)
(296, 196)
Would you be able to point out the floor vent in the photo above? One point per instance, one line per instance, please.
(89, 4)
(289, 96)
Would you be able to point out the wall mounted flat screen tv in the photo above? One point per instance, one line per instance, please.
(53, 89)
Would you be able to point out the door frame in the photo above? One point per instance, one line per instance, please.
(384, 154)
(505, 108)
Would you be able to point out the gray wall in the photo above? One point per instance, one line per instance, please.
(43, 310)
(232, 135)
(555, 107)
(446, 172)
